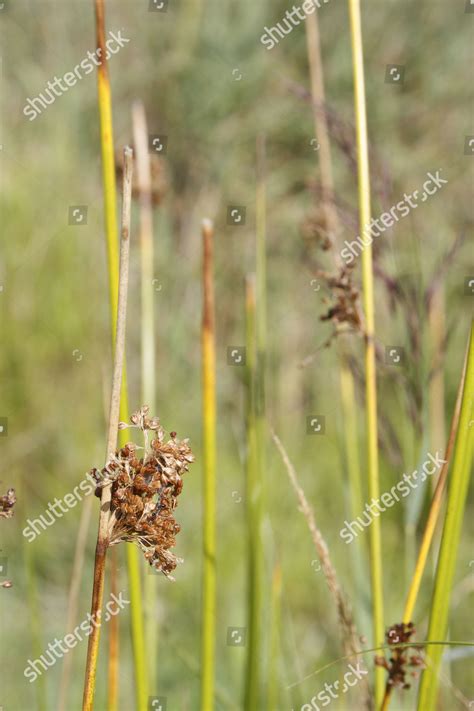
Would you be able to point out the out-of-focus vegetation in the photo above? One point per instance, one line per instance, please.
(210, 86)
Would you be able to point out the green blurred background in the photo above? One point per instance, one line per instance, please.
(55, 356)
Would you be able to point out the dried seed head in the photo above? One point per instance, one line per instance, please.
(401, 661)
(144, 492)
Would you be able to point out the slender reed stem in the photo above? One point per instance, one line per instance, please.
(73, 598)
(108, 157)
(148, 360)
(108, 168)
(273, 686)
(456, 501)
(257, 429)
(114, 639)
(209, 472)
(370, 373)
(114, 415)
(254, 512)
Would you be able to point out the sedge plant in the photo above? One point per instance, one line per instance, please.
(114, 417)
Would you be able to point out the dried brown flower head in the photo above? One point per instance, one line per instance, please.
(7, 503)
(401, 660)
(144, 491)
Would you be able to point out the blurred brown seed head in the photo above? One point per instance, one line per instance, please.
(7, 503)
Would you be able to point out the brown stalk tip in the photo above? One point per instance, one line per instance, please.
(207, 226)
(145, 490)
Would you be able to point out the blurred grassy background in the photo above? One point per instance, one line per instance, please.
(185, 65)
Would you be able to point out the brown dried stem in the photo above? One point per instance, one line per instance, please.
(103, 538)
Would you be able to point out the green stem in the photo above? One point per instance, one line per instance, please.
(370, 373)
(254, 513)
(209, 474)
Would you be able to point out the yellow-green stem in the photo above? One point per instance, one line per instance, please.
(254, 513)
(111, 232)
(209, 474)
(370, 373)
(273, 687)
(458, 485)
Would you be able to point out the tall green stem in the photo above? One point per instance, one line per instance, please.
(254, 512)
(209, 474)
(370, 374)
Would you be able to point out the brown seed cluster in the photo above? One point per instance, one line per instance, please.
(401, 660)
(7, 503)
(144, 491)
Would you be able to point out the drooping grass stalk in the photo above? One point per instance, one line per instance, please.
(148, 361)
(254, 511)
(111, 231)
(456, 500)
(430, 527)
(208, 345)
(368, 298)
(114, 415)
(348, 628)
(273, 686)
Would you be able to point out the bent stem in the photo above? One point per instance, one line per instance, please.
(114, 415)
(370, 373)
(456, 502)
(209, 473)
(431, 522)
